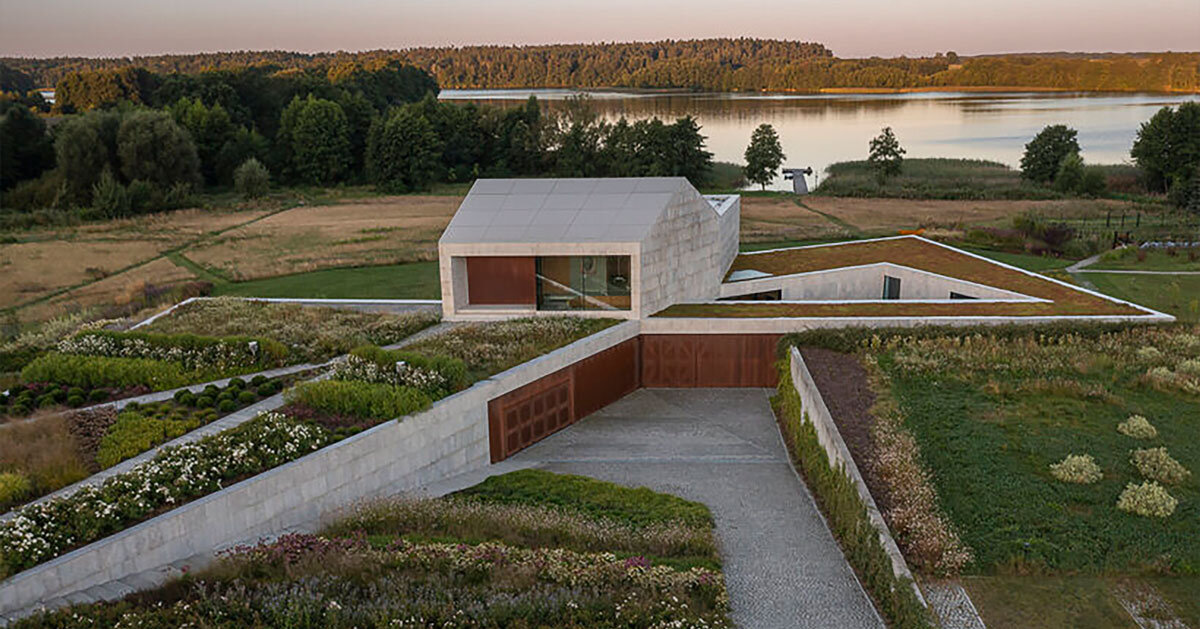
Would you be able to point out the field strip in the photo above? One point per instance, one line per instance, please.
(853, 229)
(165, 254)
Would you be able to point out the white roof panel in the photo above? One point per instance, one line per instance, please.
(562, 210)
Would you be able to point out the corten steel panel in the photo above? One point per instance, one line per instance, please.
(709, 360)
(526, 415)
(606, 377)
(668, 360)
(501, 280)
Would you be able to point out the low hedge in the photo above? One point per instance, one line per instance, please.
(364, 400)
(269, 353)
(452, 370)
(846, 514)
(850, 340)
(134, 433)
(98, 371)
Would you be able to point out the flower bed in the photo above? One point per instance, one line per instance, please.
(94, 439)
(42, 531)
(311, 333)
(453, 562)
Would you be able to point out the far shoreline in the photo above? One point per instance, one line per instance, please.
(680, 91)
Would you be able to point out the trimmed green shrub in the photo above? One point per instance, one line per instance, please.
(133, 433)
(227, 406)
(259, 380)
(266, 390)
(359, 399)
(204, 401)
(179, 395)
(1148, 499)
(246, 397)
(1077, 468)
(98, 395)
(100, 371)
(14, 486)
(237, 383)
(75, 401)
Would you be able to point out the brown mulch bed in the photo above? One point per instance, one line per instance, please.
(843, 383)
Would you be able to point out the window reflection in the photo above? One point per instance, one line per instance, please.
(583, 282)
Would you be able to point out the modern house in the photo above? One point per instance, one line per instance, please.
(621, 248)
(656, 250)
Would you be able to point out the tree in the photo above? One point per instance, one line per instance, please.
(1046, 151)
(152, 148)
(403, 152)
(211, 129)
(688, 157)
(763, 156)
(314, 136)
(25, 148)
(578, 139)
(886, 157)
(1167, 148)
(1070, 174)
(251, 179)
(84, 147)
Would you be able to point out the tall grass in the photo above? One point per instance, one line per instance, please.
(43, 450)
(934, 178)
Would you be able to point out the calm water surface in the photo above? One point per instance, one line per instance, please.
(817, 130)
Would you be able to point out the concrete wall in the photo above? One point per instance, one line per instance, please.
(862, 283)
(448, 439)
(686, 253)
(816, 413)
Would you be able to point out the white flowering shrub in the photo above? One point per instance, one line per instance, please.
(1148, 499)
(1149, 354)
(1077, 468)
(42, 531)
(1158, 464)
(399, 373)
(193, 352)
(1138, 427)
(1189, 367)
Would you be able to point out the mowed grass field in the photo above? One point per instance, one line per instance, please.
(355, 244)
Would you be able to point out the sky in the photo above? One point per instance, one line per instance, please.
(851, 28)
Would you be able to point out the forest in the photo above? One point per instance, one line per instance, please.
(128, 141)
(727, 64)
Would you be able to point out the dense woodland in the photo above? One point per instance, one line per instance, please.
(130, 141)
(709, 64)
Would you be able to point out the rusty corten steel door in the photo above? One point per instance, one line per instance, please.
(606, 377)
(501, 280)
(526, 415)
(709, 360)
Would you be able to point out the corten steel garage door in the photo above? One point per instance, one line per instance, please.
(526, 415)
(709, 360)
(500, 280)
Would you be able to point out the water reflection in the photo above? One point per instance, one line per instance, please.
(819, 129)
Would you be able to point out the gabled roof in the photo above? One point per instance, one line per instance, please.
(617, 210)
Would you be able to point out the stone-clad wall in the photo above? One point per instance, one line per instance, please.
(687, 252)
(448, 439)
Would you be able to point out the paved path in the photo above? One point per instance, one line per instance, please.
(722, 447)
(1082, 267)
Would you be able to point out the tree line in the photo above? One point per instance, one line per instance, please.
(135, 142)
(726, 64)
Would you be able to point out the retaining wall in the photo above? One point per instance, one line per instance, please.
(448, 439)
(831, 440)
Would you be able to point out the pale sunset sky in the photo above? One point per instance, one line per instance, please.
(851, 28)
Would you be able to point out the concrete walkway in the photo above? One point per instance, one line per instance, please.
(722, 447)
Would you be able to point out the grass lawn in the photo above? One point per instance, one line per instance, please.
(1084, 601)
(414, 280)
(992, 415)
(1178, 295)
(461, 560)
(1037, 264)
(1155, 260)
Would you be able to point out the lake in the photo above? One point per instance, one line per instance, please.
(820, 129)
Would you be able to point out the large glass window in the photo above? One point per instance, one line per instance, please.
(583, 283)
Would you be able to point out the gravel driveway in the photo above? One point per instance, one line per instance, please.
(721, 447)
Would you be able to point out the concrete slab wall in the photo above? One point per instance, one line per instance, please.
(866, 283)
(687, 252)
(816, 413)
(448, 439)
